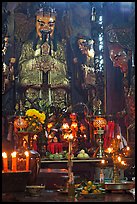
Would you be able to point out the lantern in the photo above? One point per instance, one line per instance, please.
(99, 122)
(73, 116)
(20, 123)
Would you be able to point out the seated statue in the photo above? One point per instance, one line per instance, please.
(42, 64)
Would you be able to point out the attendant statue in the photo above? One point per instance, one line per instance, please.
(84, 77)
(121, 51)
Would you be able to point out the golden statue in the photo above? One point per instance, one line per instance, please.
(42, 64)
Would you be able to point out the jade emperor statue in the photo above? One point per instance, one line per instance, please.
(42, 64)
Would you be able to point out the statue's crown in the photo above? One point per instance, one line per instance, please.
(46, 11)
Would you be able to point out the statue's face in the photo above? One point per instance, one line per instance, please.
(82, 44)
(119, 58)
(45, 24)
(6, 40)
(86, 47)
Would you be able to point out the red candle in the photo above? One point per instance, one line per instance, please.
(5, 161)
(14, 161)
(27, 160)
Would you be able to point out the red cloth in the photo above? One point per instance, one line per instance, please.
(109, 134)
(35, 147)
(55, 147)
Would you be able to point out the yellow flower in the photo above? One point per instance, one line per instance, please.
(33, 124)
(42, 117)
(35, 118)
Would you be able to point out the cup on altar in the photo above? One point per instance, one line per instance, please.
(5, 161)
(14, 161)
(27, 160)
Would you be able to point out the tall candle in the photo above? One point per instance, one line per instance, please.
(5, 161)
(14, 161)
(27, 160)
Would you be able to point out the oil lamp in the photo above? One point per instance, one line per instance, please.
(99, 124)
(70, 132)
(117, 157)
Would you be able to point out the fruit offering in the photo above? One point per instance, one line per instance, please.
(56, 156)
(59, 156)
(82, 155)
(86, 187)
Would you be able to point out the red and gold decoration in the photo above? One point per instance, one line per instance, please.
(20, 124)
(99, 123)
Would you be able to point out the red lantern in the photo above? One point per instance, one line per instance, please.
(20, 123)
(99, 122)
(73, 116)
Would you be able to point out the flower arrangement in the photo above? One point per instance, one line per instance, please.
(32, 121)
(35, 120)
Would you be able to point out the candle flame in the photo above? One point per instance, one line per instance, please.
(49, 125)
(103, 161)
(4, 155)
(26, 153)
(13, 154)
(128, 148)
(118, 137)
(74, 125)
(65, 126)
(35, 137)
(110, 149)
(119, 159)
(123, 163)
(70, 136)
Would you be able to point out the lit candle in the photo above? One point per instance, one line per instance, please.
(70, 136)
(118, 137)
(5, 161)
(14, 161)
(123, 163)
(119, 159)
(65, 126)
(27, 160)
(102, 161)
(128, 148)
(110, 149)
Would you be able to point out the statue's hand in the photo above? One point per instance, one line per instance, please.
(44, 62)
(45, 48)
